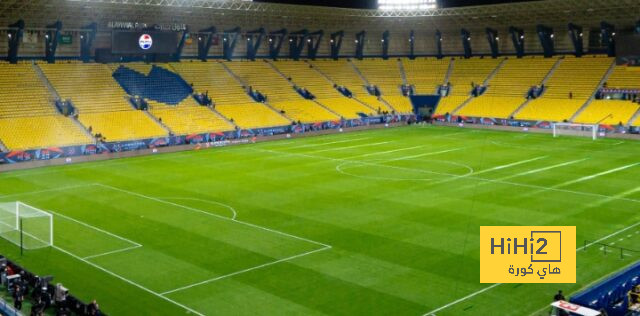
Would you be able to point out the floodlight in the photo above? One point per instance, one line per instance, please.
(407, 4)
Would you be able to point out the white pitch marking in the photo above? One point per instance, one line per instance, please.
(544, 169)
(524, 185)
(127, 281)
(384, 152)
(517, 163)
(212, 214)
(96, 228)
(111, 252)
(244, 271)
(432, 313)
(423, 155)
(329, 143)
(349, 147)
(229, 207)
(606, 172)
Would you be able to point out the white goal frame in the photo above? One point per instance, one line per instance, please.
(18, 209)
(575, 129)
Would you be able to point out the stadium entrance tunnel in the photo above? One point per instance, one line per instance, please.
(400, 169)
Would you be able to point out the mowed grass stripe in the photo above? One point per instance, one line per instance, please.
(399, 248)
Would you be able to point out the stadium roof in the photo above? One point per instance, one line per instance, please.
(228, 13)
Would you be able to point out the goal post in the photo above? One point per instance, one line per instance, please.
(25, 225)
(573, 129)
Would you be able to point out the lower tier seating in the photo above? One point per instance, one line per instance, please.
(346, 108)
(547, 109)
(450, 103)
(495, 107)
(122, 125)
(611, 112)
(402, 104)
(305, 111)
(252, 115)
(189, 118)
(20, 133)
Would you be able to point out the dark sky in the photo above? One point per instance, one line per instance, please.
(363, 4)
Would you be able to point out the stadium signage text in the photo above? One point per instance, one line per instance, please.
(125, 25)
(527, 254)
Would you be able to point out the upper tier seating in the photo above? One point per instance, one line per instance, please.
(159, 84)
(261, 77)
(305, 76)
(508, 88)
(426, 74)
(22, 93)
(342, 73)
(280, 92)
(385, 74)
(624, 77)
(213, 78)
(611, 112)
(100, 101)
(28, 119)
(189, 117)
(570, 86)
(467, 71)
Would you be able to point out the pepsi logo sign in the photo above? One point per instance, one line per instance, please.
(145, 41)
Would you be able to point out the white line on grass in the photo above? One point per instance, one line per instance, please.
(212, 214)
(229, 207)
(243, 271)
(509, 165)
(128, 281)
(328, 143)
(384, 152)
(432, 313)
(349, 147)
(606, 172)
(111, 252)
(96, 228)
(471, 177)
(525, 173)
(420, 155)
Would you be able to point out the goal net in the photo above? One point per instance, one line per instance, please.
(25, 225)
(570, 129)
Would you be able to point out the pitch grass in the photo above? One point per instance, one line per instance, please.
(402, 224)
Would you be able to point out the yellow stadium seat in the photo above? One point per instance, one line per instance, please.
(252, 115)
(188, 117)
(34, 132)
(609, 112)
(425, 74)
(450, 103)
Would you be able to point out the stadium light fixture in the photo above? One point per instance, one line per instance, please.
(356, 41)
(497, 38)
(407, 4)
(551, 35)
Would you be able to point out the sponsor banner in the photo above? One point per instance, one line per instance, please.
(527, 254)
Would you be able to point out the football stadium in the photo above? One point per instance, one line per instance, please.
(284, 157)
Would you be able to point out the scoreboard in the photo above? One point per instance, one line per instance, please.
(141, 42)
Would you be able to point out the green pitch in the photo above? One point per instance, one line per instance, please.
(382, 222)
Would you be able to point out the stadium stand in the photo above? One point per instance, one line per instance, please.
(189, 117)
(610, 112)
(425, 74)
(342, 73)
(508, 89)
(571, 85)
(470, 71)
(280, 92)
(346, 107)
(623, 77)
(28, 119)
(386, 75)
(450, 103)
(252, 115)
(100, 101)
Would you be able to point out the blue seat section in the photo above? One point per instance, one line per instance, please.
(610, 294)
(160, 84)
